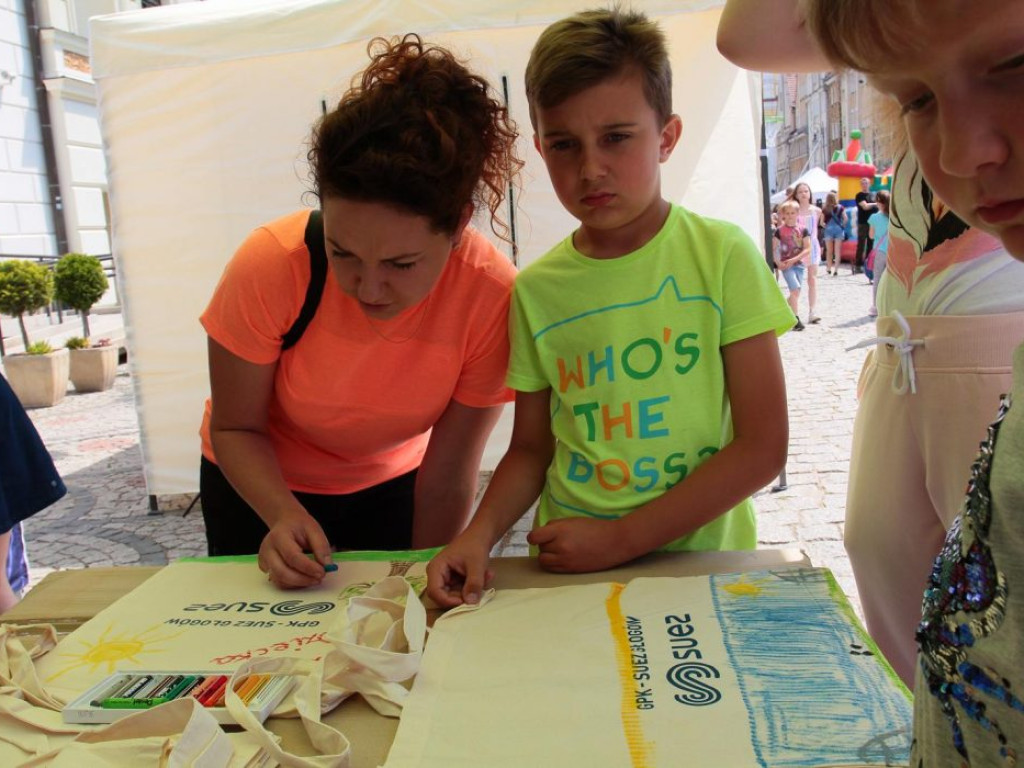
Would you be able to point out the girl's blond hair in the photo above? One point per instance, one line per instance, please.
(864, 34)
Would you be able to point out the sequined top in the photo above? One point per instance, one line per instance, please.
(969, 691)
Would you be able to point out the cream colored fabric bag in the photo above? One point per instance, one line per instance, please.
(375, 645)
(722, 671)
(211, 615)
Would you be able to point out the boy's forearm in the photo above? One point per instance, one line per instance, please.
(757, 396)
(737, 471)
(515, 485)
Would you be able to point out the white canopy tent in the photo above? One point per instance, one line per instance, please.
(818, 180)
(205, 113)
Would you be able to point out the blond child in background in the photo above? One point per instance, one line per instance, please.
(650, 396)
(791, 248)
(810, 217)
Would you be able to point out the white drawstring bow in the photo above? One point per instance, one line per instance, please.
(904, 376)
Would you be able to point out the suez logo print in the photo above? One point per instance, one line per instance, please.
(690, 674)
(284, 608)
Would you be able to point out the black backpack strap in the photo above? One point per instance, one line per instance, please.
(317, 278)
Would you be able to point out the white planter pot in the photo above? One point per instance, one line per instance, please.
(39, 381)
(93, 369)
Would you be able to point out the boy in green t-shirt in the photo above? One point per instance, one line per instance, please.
(650, 394)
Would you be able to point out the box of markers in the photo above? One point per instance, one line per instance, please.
(125, 693)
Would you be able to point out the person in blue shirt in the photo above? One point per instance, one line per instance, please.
(878, 231)
(28, 483)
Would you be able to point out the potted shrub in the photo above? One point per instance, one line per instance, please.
(39, 376)
(93, 366)
(79, 282)
(24, 287)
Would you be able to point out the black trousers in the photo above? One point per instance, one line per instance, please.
(379, 517)
(864, 244)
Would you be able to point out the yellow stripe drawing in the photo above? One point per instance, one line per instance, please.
(640, 750)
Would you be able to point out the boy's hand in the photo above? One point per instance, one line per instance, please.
(578, 545)
(458, 573)
(282, 554)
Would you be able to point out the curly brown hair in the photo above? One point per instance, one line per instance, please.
(418, 130)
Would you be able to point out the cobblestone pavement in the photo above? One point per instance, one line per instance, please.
(105, 518)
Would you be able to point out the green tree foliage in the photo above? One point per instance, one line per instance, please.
(79, 282)
(25, 286)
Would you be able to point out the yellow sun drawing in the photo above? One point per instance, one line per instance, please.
(113, 650)
(744, 588)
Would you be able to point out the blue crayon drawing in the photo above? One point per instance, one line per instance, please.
(815, 689)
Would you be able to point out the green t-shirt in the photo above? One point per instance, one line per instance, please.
(630, 348)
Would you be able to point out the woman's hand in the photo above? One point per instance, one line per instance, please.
(283, 552)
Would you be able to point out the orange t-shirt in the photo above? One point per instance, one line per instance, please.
(351, 408)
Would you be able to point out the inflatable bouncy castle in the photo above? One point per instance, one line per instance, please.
(849, 166)
(883, 180)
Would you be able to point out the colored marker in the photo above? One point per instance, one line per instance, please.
(204, 687)
(214, 692)
(218, 698)
(175, 690)
(269, 691)
(186, 690)
(167, 685)
(129, 703)
(244, 688)
(137, 686)
(114, 690)
(255, 689)
(155, 688)
(329, 567)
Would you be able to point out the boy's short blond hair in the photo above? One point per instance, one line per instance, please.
(589, 47)
(789, 205)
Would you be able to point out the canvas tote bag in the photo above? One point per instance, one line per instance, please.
(739, 670)
(374, 646)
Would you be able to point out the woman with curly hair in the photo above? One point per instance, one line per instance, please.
(367, 432)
